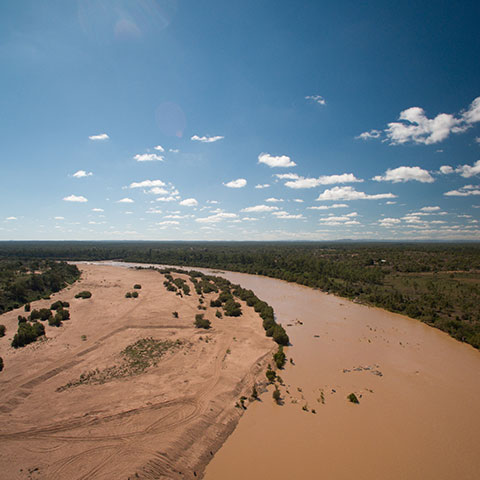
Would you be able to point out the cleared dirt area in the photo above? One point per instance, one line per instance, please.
(71, 407)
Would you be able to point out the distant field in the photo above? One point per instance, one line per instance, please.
(438, 284)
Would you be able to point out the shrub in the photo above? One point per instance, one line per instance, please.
(64, 314)
(201, 322)
(353, 398)
(1, 364)
(44, 313)
(232, 308)
(56, 305)
(27, 307)
(254, 393)
(134, 294)
(2, 330)
(215, 303)
(55, 321)
(21, 319)
(175, 314)
(218, 314)
(35, 315)
(128, 295)
(280, 335)
(276, 395)
(84, 294)
(279, 357)
(27, 333)
(137, 286)
(271, 375)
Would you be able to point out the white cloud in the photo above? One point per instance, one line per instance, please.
(465, 191)
(207, 139)
(250, 219)
(317, 99)
(264, 185)
(97, 210)
(288, 216)
(349, 193)
(82, 174)
(371, 134)
(75, 198)
(259, 209)
(148, 157)
(298, 200)
(446, 169)
(302, 182)
(189, 202)
(216, 218)
(174, 150)
(238, 183)
(390, 203)
(100, 136)
(212, 202)
(389, 222)
(339, 219)
(274, 200)
(405, 174)
(328, 207)
(59, 218)
(414, 126)
(286, 176)
(11, 218)
(125, 200)
(430, 209)
(168, 222)
(158, 191)
(147, 183)
(467, 171)
(282, 161)
(170, 198)
(159, 148)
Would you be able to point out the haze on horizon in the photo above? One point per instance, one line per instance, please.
(180, 120)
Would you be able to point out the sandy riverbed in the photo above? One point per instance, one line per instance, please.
(164, 423)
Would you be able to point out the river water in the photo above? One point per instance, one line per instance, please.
(419, 394)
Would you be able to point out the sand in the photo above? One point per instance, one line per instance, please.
(164, 423)
(419, 391)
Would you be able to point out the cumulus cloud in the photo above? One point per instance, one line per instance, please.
(328, 207)
(389, 222)
(349, 193)
(446, 169)
(430, 209)
(82, 174)
(169, 198)
(75, 198)
(466, 191)
(298, 200)
(468, 171)
(11, 218)
(218, 217)
(100, 136)
(147, 184)
(317, 99)
(168, 222)
(302, 182)
(405, 174)
(59, 218)
(158, 191)
(288, 216)
(159, 148)
(125, 200)
(281, 161)
(414, 126)
(259, 209)
(238, 183)
(189, 202)
(207, 139)
(97, 210)
(286, 176)
(148, 157)
(273, 200)
(264, 185)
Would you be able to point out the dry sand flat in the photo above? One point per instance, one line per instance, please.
(164, 423)
(419, 391)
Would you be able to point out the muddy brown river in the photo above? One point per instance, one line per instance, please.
(419, 394)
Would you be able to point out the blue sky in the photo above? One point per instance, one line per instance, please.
(226, 120)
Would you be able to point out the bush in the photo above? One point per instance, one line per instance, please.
(175, 314)
(2, 330)
(276, 395)
(64, 314)
(27, 307)
(279, 357)
(137, 286)
(44, 313)
(27, 333)
(84, 294)
(201, 322)
(128, 295)
(280, 335)
(218, 314)
(134, 294)
(55, 321)
(1, 364)
(353, 398)
(271, 375)
(35, 315)
(59, 305)
(21, 319)
(232, 308)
